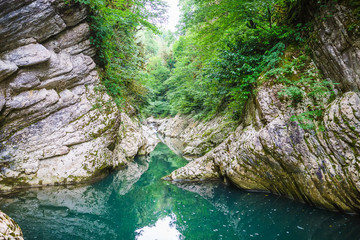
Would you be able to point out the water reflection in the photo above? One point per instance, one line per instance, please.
(135, 204)
(164, 229)
(176, 145)
(124, 180)
(265, 216)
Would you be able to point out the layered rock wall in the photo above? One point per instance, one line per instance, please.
(269, 152)
(50, 130)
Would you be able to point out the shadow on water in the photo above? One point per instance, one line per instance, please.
(135, 204)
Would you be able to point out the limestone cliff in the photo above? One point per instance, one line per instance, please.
(51, 133)
(269, 152)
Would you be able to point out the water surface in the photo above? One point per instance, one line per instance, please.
(135, 204)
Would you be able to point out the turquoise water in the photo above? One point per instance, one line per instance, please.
(135, 204)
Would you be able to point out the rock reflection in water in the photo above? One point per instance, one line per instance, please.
(136, 203)
(266, 216)
(176, 145)
(71, 210)
(125, 179)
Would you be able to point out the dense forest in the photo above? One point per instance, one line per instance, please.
(114, 127)
(221, 53)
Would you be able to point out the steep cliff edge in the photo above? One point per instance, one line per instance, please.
(51, 133)
(269, 152)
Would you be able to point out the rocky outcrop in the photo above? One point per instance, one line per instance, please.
(134, 139)
(9, 228)
(269, 152)
(191, 138)
(320, 168)
(56, 126)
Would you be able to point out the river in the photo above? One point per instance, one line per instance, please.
(136, 204)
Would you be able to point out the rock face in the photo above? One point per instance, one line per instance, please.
(269, 152)
(8, 228)
(191, 138)
(337, 46)
(51, 131)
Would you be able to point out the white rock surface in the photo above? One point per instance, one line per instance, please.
(27, 55)
(51, 133)
(276, 155)
(6, 69)
(9, 228)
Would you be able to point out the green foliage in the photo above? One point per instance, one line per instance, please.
(295, 93)
(158, 108)
(237, 69)
(231, 47)
(158, 70)
(307, 120)
(303, 83)
(149, 42)
(226, 47)
(114, 24)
